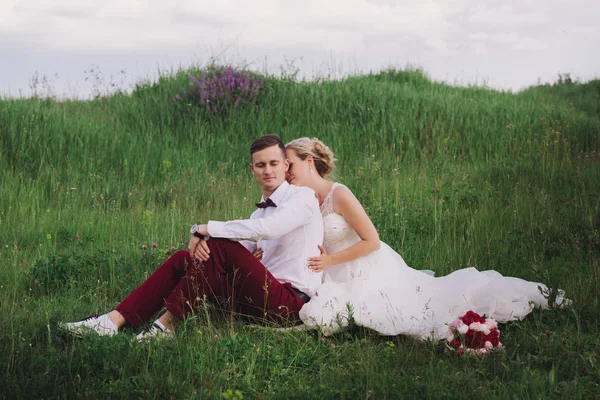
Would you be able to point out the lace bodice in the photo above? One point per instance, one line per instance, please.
(338, 234)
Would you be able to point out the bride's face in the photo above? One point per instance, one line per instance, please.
(297, 172)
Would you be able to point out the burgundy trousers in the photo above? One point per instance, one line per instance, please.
(232, 277)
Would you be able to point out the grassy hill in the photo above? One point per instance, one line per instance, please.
(452, 177)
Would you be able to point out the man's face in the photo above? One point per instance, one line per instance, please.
(269, 166)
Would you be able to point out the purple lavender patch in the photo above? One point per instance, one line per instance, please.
(222, 88)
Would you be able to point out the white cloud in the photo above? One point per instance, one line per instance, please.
(587, 30)
(495, 37)
(448, 38)
(480, 49)
(530, 44)
(138, 25)
(509, 14)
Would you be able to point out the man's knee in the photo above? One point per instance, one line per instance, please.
(182, 258)
(181, 254)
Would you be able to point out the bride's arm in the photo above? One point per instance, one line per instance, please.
(348, 206)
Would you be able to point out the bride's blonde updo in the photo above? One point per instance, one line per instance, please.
(322, 156)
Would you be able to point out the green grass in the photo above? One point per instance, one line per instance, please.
(452, 177)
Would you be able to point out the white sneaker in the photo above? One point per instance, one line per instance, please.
(100, 324)
(156, 331)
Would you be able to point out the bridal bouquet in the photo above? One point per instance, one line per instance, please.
(474, 334)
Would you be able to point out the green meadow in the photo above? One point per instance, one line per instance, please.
(95, 194)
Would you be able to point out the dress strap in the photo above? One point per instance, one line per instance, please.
(327, 205)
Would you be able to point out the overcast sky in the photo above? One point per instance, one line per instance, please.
(505, 44)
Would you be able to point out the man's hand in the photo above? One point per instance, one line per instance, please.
(318, 264)
(198, 249)
(258, 254)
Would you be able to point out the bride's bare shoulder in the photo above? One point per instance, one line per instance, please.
(339, 189)
(341, 197)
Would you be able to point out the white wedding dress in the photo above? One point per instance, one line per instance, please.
(379, 291)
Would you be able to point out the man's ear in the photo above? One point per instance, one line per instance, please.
(251, 167)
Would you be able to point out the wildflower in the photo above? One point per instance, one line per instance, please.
(143, 247)
(332, 345)
(154, 245)
(221, 88)
(216, 337)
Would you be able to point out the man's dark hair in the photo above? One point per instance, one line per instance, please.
(266, 141)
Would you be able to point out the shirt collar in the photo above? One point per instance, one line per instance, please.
(278, 194)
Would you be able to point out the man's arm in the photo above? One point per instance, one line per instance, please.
(288, 216)
(199, 249)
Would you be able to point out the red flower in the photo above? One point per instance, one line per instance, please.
(493, 337)
(471, 317)
(474, 339)
(456, 343)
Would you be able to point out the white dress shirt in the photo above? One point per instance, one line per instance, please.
(288, 234)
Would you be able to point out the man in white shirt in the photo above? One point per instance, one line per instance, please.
(287, 226)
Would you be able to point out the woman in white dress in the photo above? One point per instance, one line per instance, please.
(367, 281)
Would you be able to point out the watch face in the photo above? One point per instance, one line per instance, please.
(194, 228)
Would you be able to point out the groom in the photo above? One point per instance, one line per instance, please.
(287, 226)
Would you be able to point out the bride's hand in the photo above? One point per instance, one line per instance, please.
(318, 264)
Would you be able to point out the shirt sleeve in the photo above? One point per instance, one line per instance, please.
(288, 216)
(249, 245)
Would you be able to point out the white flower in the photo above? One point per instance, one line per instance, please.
(479, 327)
(450, 336)
(491, 323)
(485, 329)
(475, 326)
(462, 328)
(456, 324)
(488, 345)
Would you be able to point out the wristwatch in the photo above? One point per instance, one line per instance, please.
(194, 231)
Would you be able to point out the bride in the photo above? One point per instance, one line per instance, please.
(367, 281)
